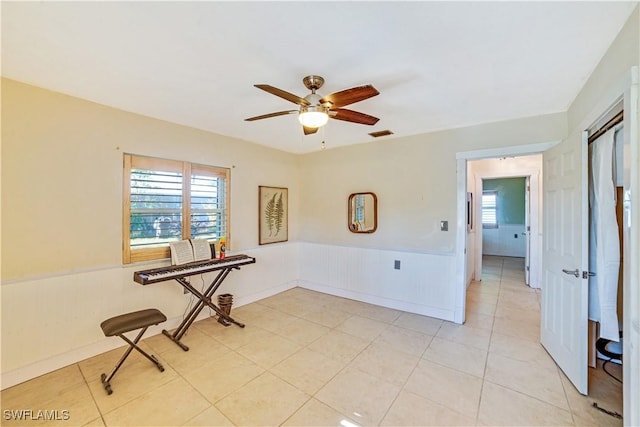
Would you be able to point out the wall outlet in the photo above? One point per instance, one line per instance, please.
(396, 264)
(444, 225)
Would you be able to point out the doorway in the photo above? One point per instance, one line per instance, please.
(517, 230)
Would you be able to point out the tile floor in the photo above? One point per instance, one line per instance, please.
(310, 359)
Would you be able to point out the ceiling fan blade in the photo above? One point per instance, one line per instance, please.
(350, 96)
(266, 116)
(308, 130)
(283, 94)
(352, 116)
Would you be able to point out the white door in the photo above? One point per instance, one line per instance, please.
(563, 318)
(527, 230)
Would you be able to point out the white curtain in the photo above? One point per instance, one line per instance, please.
(604, 242)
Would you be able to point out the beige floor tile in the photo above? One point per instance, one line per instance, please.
(362, 327)
(233, 336)
(526, 329)
(169, 405)
(158, 343)
(482, 297)
(404, 340)
(375, 312)
(465, 334)
(500, 406)
(267, 400)
(302, 331)
(348, 305)
(70, 406)
(528, 378)
(308, 370)
(520, 349)
(202, 348)
(247, 312)
(338, 345)
(423, 324)
(273, 320)
(218, 378)
(485, 287)
(328, 317)
(32, 393)
(385, 363)
(508, 312)
(462, 391)
(269, 351)
(95, 423)
(480, 308)
(278, 301)
(315, 413)
(479, 321)
(409, 409)
(359, 395)
(457, 356)
(209, 417)
(519, 300)
(490, 275)
(131, 382)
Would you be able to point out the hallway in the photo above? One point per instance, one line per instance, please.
(522, 384)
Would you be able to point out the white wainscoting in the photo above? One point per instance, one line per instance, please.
(501, 241)
(51, 322)
(425, 283)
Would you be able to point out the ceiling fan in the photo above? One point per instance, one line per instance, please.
(315, 110)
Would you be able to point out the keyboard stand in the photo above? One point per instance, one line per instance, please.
(204, 299)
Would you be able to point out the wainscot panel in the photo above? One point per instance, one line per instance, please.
(424, 284)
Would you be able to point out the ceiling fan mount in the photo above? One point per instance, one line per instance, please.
(313, 83)
(316, 106)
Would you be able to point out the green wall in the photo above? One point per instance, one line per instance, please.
(510, 198)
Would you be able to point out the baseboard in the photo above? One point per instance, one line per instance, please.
(381, 301)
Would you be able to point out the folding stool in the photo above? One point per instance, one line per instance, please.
(129, 322)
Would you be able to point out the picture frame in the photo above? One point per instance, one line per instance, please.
(273, 214)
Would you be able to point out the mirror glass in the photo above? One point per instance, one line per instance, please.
(363, 212)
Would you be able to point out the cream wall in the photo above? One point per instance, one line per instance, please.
(62, 178)
(414, 179)
(62, 271)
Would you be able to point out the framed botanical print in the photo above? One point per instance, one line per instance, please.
(273, 214)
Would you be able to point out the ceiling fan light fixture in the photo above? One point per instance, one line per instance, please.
(313, 119)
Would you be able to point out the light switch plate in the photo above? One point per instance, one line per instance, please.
(444, 225)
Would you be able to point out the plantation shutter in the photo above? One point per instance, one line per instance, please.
(490, 209)
(209, 187)
(156, 202)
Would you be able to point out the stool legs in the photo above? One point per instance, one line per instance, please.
(132, 344)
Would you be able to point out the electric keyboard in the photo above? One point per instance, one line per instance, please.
(161, 274)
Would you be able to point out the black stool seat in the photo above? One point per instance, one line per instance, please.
(118, 325)
(132, 321)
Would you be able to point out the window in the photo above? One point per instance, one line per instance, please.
(170, 200)
(489, 209)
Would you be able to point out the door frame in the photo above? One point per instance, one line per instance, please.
(533, 235)
(461, 228)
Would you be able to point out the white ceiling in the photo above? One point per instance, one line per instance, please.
(437, 65)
